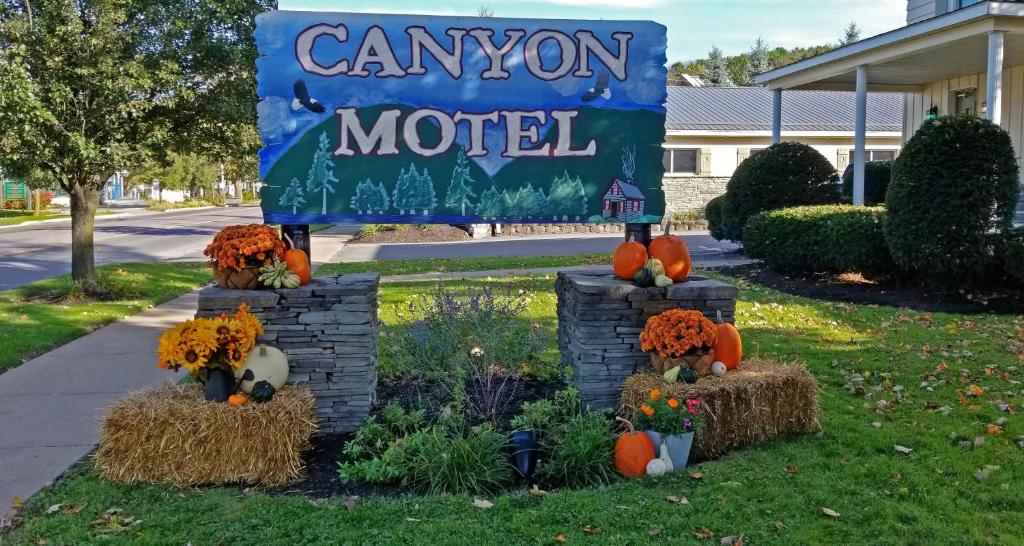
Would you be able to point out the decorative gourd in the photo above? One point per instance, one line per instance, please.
(238, 400)
(629, 258)
(297, 261)
(644, 278)
(661, 281)
(633, 450)
(262, 392)
(688, 375)
(673, 375)
(718, 369)
(729, 346)
(655, 267)
(266, 364)
(661, 465)
(673, 254)
(277, 275)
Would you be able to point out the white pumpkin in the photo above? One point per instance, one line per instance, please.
(661, 465)
(718, 368)
(267, 364)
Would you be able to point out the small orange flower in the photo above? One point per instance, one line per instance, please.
(673, 403)
(655, 394)
(648, 410)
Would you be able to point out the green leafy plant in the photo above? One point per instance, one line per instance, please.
(579, 452)
(877, 175)
(547, 414)
(784, 175)
(669, 415)
(953, 187)
(822, 239)
(372, 454)
(452, 457)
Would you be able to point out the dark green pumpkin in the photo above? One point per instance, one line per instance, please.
(687, 374)
(644, 278)
(262, 391)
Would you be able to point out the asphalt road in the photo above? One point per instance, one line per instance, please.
(42, 250)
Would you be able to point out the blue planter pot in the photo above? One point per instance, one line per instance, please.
(679, 449)
(525, 452)
(655, 439)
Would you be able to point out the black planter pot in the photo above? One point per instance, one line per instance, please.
(219, 385)
(525, 452)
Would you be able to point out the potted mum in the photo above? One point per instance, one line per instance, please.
(238, 252)
(680, 338)
(672, 421)
(211, 349)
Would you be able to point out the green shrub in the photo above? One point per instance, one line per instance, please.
(455, 458)
(713, 212)
(953, 187)
(579, 453)
(784, 175)
(544, 416)
(877, 175)
(823, 239)
(1013, 255)
(371, 455)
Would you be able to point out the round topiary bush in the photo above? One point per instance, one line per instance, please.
(877, 175)
(713, 213)
(820, 239)
(953, 187)
(784, 175)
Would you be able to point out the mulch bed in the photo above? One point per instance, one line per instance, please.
(415, 234)
(889, 292)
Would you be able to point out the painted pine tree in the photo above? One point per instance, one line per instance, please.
(459, 192)
(567, 199)
(293, 196)
(402, 197)
(370, 197)
(424, 196)
(321, 173)
(381, 201)
(492, 204)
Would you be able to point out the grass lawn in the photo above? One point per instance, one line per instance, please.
(12, 217)
(925, 366)
(35, 318)
(443, 265)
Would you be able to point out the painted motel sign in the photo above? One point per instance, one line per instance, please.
(415, 119)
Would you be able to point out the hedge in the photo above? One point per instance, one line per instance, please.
(713, 213)
(877, 175)
(954, 187)
(784, 175)
(1013, 255)
(820, 239)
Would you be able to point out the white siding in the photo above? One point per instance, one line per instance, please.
(940, 94)
(919, 10)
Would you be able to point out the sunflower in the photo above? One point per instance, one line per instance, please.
(170, 350)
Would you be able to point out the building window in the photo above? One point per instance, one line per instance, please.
(879, 155)
(755, 151)
(681, 161)
(966, 102)
(965, 3)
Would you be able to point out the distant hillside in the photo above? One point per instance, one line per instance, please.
(738, 64)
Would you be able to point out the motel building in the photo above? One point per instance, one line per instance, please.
(952, 57)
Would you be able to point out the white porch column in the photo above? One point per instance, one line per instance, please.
(994, 88)
(776, 116)
(860, 135)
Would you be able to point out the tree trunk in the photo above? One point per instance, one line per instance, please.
(85, 199)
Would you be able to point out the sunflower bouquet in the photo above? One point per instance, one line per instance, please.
(667, 415)
(203, 344)
(247, 246)
(677, 333)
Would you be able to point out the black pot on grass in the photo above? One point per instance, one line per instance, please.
(525, 452)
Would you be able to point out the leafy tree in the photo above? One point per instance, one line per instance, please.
(293, 196)
(370, 197)
(492, 203)
(86, 85)
(758, 60)
(423, 195)
(190, 172)
(459, 192)
(321, 173)
(850, 35)
(567, 197)
(718, 68)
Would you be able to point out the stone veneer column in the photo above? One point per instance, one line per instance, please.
(328, 329)
(600, 319)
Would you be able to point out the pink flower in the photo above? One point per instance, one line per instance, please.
(692, 405)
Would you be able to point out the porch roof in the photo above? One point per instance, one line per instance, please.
(944, 47)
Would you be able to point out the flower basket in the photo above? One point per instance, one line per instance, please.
(699, 361)
(246, 279)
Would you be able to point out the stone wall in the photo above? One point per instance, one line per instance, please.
(600, 319)
(329, 330)
(691, 193)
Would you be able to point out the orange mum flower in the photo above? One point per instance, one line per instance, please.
(673, 403)
(655, 394)
(677, 332)
(238, 247)
(648, 410)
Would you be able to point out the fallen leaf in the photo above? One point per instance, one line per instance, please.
(483, 504)
(16, 502)
(591, 530)
(790, 469)
(412, 520)
(54, 509)
(74, 510)
(703, 533)
(351, 503)
(993, 429)
(42, 541)
(732, 541)
(696, 475)
(779, 525)
(537, 491)
(902, 449)
(895, 477)
(981, 475)
(975, 390)
(830, 512)
(677, 500)
(561, 538)
(654, 532)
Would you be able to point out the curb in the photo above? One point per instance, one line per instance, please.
(109, 216)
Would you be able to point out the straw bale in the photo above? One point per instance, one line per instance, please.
(170, 434)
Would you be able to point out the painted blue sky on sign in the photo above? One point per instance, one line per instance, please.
(281, 123)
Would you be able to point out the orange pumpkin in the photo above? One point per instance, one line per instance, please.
(297, 261)
(633, 450)
(629, 258)
(238, 400)
(673, 254)
(729, 346)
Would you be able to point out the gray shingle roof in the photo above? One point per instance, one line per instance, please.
(750, 109)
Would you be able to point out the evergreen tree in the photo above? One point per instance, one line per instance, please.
(528, 202)
(402, 197)
(370, 197)
(321, 173)
(568, 198)
(851, 34)
(758, 60)
(459, 192)
(718, 69)
(380, 201)
(423, 195)
(293, 196)
(492, 203)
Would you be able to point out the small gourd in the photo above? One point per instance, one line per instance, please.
(262, 392)
(661, 281)
(662, 465)
(266, 364)
(688, 375)
(633, 450)
(238, 400)
(644, 278)
(655, 266)
(673, 375)
(718, 369)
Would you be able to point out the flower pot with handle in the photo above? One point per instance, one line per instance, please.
(219, 384)
(679, 447)
(246, 279)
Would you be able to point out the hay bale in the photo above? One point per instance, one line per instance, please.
(170, 434)
(761, 399)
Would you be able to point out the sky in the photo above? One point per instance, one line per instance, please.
(693, 25)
